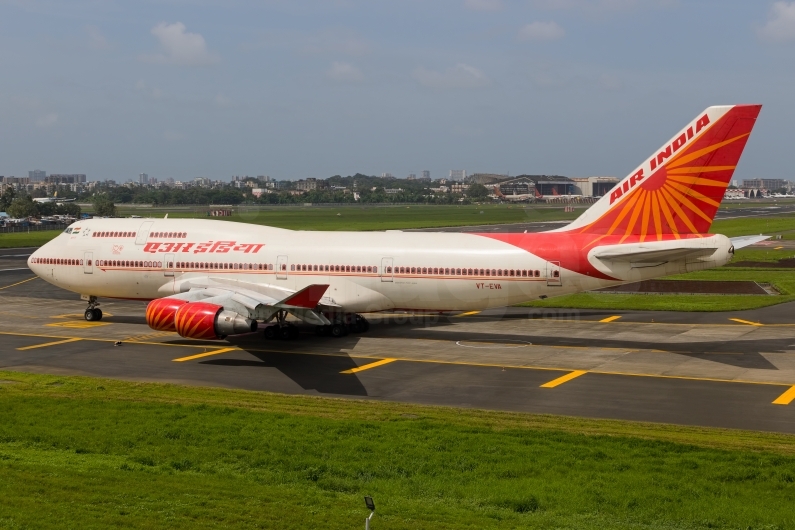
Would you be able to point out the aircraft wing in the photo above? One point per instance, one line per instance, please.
(258, 301)
(744, 241)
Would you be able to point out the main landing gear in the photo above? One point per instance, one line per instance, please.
(341, 325)
(93, 312)
(282, 329)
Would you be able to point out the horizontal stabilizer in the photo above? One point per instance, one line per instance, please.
(659, 255)
(308, 297)
(744, 241)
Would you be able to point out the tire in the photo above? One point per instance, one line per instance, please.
(338, 330)
(98, 314)
(292, 332)
(286, 333)
(270, 332)
(90, 315)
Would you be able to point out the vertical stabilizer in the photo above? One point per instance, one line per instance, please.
(679, 188)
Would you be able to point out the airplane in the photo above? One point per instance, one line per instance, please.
(209, 279)
(54, 198)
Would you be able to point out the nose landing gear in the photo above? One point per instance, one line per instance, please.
(93, 312)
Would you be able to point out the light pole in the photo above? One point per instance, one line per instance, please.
(368, 501)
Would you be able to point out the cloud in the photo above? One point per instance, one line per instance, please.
(152, 92)
(459, 76)
(180, 47)
(483, 5)
(541, 31)
(344, 72)
(97, 39)
(780, 26)
(47, 121)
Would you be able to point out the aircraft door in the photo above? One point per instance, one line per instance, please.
(168, 265)
(386, 269)
(88, 263)
(143, 233)
(281, 268)
(553, 273)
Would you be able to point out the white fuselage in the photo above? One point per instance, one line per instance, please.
(366, 271)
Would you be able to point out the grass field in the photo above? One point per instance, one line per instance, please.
(27, 239)
(92, 453)
(390, 217)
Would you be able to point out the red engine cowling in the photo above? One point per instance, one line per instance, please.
(160, 313)
(199, 320)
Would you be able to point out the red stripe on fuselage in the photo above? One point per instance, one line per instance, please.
(569, 248)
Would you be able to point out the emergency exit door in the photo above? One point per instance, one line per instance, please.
(553, 273)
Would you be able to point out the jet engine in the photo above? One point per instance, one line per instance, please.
(199, 320)
(160, 313)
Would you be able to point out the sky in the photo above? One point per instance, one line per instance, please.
(313, 88)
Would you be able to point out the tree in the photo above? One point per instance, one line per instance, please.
(22, 207)
(69, 208)
(7, 197)
(103, 206)
(477, 191)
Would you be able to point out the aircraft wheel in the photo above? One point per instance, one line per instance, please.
(98, 314)
(292, 332)
(271, 332)
(338, 330)
(91, 315)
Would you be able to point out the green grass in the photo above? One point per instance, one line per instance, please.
(389, 218)
(92, 453)
(27, 239)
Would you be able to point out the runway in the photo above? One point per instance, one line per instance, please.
(733, 370)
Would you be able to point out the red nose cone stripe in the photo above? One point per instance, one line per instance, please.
(197, 320)
(160, 313)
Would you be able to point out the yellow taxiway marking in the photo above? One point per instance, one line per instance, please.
(368, 366)
(77, 324)
(48, 344)
(778, 248)
(610, 319)
(18, 283)
(78, 315)
(562, 379)
(741, 321)
(468, 313)
(786, 398)
(205, 354)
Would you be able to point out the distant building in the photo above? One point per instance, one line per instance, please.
(309, 184)
(387, 176)
(457, 174)
(143, 179)
(593, 186)
(426, 175)
(518, 186)
(486, 178)
(37, 175)
(62, 178)
(548, 185)
(765, 184)
(412, 176)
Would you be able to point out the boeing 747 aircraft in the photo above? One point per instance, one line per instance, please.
(208, 279)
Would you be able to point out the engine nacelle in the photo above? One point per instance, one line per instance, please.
(160, 313)
(198, 320)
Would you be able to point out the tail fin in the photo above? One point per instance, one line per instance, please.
(679, 189)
